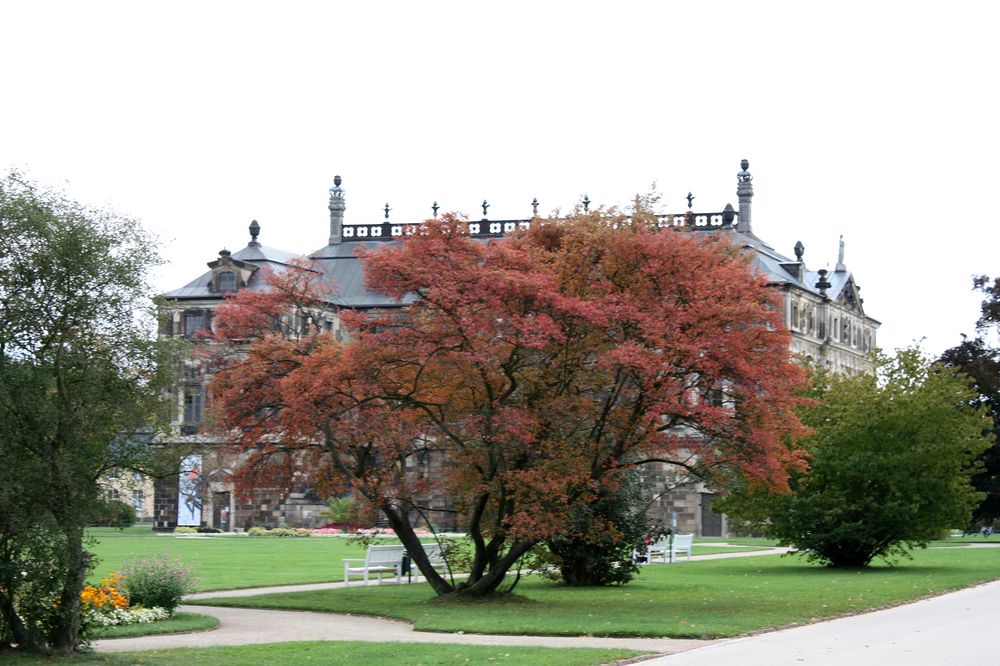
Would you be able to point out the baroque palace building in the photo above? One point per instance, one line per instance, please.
(823, 310)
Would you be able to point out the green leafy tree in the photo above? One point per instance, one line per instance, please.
(980, 360)
(891, 457)
(80, 378)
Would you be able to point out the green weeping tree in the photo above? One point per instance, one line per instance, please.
(81, 375)
(891, 456)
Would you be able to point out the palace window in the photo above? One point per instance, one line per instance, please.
(193, 403)
(138, 501)
(715, 397)
(193, 321)
(227, 281)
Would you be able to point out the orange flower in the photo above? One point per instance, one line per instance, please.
(105, 595)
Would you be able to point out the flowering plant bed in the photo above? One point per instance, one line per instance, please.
(107, 605)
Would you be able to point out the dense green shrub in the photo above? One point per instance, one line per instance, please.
(209, 530)
(891, 459)
(597, 550)
(157, 581)
(113, 513)
(185, 529)
(347, 511)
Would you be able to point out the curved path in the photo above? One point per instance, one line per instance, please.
(956, 628)
(243, 626)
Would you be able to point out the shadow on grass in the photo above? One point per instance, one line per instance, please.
(495, 599)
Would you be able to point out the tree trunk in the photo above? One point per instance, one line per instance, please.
(404, 530)
(65, 635)
(494, 575)
(23, 637)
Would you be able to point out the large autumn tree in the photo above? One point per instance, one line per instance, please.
(540, 369)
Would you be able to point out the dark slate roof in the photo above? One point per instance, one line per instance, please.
(344, 275)
(254, 253)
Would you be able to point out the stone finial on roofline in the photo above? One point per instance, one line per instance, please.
(744, 190)
(823, 284)
(337, 207)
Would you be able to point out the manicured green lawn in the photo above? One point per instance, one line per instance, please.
(334, 652)
(714, 550)
(690, 599)
(178, 623)
(222, 562)
(760, 542)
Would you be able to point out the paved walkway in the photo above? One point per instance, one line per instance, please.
(923, 633)
(956, 628)
(243, 626)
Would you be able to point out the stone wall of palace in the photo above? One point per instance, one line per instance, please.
(829, 334)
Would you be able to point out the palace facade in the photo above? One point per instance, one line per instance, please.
(823, 310)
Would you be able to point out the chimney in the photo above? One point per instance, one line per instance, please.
(337, 207)
(744, 190)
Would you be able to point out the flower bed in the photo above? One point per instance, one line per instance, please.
(362, 531)
(106, 605)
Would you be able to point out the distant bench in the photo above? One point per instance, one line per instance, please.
(668, 549)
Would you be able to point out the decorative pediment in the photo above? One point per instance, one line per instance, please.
(850, 297)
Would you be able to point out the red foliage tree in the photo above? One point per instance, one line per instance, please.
(539, 368)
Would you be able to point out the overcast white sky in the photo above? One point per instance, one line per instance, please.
(875, 120)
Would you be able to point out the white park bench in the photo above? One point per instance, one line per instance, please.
(668, 549)
(434, 555)
(379, 560)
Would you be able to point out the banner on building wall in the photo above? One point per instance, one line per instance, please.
(189, 492)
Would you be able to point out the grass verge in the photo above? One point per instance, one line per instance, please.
(227, 561)
(177, 623)
(708, 599)
(223, 562)
(344, 652)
